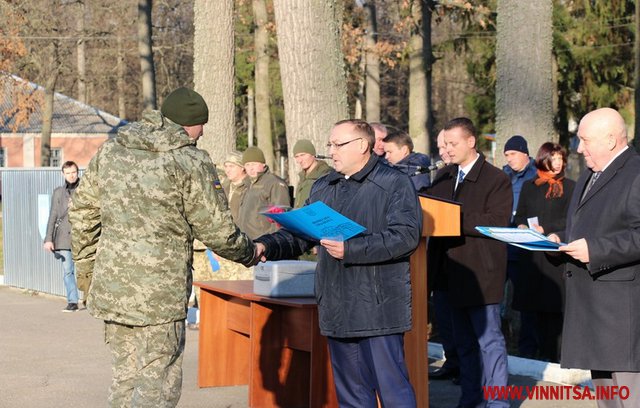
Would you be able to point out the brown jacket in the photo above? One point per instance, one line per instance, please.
(265, 190)
(475, 266)
(235, 193)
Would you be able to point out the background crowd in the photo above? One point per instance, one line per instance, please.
(133, 244)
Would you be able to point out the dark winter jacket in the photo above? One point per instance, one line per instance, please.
(368, 293)
(412, 164)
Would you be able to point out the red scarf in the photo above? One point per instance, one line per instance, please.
(555, 183)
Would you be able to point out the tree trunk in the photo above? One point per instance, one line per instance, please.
(524, 87)
(213, 67)
(146, 54)
(312, 70)
(636, 72)
(420, 59)
(251, 116)
(261, 75)
(120, 81)
(372, 66)
(47, 109)
(361, 80)
(80, 48)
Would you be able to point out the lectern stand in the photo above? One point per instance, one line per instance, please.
(441, 218)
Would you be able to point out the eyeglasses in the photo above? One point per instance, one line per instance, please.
(339, 145)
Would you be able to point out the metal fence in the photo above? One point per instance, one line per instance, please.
(26, 198)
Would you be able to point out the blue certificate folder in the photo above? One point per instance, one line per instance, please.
(523, 238)
(318, 221)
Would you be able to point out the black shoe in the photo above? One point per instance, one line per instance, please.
(445, 374)
(71, 307)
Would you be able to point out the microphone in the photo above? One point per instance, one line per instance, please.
(415, 170)
(321, 157)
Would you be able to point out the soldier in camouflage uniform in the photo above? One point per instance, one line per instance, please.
(236, 182)
(144, 198)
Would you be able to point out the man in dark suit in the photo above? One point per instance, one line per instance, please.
(601, 329)
(476, 265)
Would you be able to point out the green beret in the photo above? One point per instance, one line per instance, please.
(253, 154)
(304, 146)
(185, 107)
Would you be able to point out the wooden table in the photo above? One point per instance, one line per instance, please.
(272, 344)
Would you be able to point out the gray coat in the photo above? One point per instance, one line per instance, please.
(59, 213)
(602, 320)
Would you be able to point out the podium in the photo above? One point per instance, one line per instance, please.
(440, 218)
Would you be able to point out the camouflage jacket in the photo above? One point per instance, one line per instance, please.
(144, 198)
(265, 190)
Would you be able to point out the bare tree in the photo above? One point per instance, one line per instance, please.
(261, 76)
(145, 49)
(81, 57)
(524, 87)
(372, 64)
(312, 69)
(47, 109)
(420, 61)
(213, 68)
(636, 72)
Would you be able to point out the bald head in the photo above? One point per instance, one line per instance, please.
(602, 135)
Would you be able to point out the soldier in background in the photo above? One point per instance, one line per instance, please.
(312, 169)
(145, 196)
(236, 182)
(266, 190)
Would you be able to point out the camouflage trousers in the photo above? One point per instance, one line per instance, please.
(147, 364)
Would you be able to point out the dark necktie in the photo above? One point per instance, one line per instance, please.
(590, 184)
(460, 179)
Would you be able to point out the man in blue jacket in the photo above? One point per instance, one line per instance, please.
(520, 168)
(363, 287)
(398, 148)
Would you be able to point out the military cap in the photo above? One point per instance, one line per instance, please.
(234, 158)
(253, 154)
(185, 107)
(304, 146)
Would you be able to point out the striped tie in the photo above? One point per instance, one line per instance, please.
(460, 178)
(590, 184)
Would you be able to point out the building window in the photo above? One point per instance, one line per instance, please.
(3, 157)
(55, 160)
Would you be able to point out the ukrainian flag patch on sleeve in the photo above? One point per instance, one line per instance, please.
(217, 185)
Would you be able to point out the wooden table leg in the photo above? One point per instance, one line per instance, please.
(224, 347)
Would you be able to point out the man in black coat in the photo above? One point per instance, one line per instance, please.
(363, 286)
(602, 312)
(475, 264)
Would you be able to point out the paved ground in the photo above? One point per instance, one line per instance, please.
(52, 359)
